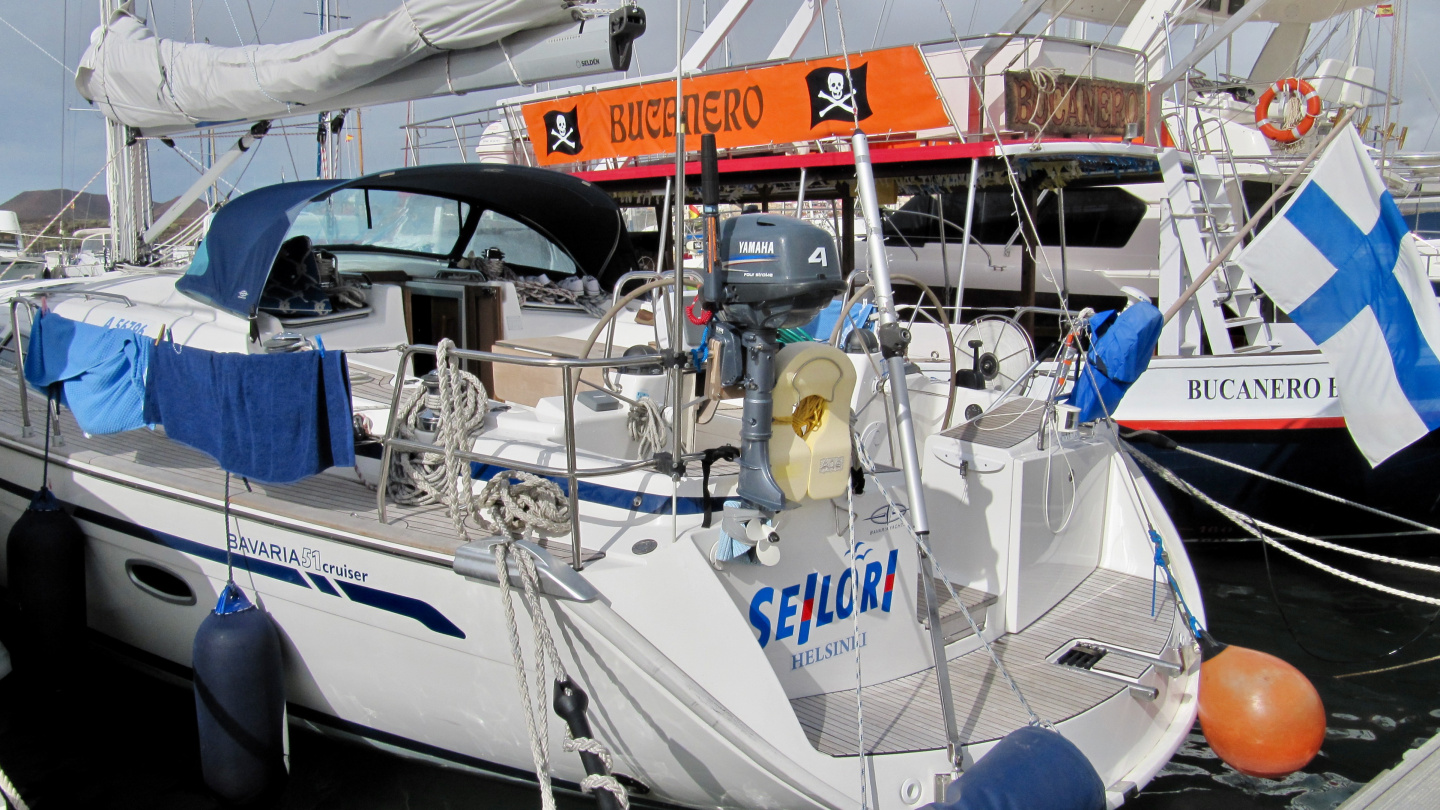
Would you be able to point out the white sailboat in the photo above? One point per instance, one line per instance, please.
(737, 650)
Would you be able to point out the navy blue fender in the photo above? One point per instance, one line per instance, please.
(1032, 768)
(240, 700)
(46, 559)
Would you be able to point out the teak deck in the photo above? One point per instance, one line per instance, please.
(904, 714)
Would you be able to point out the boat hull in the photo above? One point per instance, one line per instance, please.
(397, 649)
(1278, 414)
(1407, 484)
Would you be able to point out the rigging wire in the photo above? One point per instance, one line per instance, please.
(1039, 133)
(38, 47)
(64, 87)
(855, 645)
(883, 21)
(849, 79)
(1021, 208)
(65, 207)
(235, 186)
(1335, 24)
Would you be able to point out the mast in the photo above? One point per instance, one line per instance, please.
(321, 139)
(127, 178)
(677, 310)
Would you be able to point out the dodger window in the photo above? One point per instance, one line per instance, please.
(391, 220)
(522, 245)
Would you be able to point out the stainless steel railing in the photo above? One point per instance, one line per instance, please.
(30, 298)
(569, 368)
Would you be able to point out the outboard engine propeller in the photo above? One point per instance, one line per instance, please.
(771, 272)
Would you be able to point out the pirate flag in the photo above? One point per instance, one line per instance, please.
(834, 99)
(562, 132)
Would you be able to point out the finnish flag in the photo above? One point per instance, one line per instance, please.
(1341, 262)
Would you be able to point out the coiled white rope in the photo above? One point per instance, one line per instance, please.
(1047, 81)
(1261, 531)
(537, 504)
(646, 424)
(11, 794)
(534, 503)
(541, 292)
(428, 478)
(515, 503)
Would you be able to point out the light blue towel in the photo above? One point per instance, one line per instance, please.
(101, 371)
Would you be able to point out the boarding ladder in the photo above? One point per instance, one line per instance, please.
(1202, 209)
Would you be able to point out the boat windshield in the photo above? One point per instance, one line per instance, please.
(521, 245)
(390, 220)
(357, 219)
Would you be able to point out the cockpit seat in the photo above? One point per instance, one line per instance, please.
(298, 288)
(293, 289)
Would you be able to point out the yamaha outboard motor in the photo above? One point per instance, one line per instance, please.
(772, 272)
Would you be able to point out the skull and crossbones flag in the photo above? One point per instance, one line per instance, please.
(562, 132)
(832, 98)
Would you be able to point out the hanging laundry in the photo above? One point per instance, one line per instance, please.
(101, 371)
(276, 418)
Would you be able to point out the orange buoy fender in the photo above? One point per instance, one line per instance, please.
(1259, 713)
(1295, 133)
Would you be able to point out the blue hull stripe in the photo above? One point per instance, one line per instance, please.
(322, 584)
(422, 612)
(590, 492)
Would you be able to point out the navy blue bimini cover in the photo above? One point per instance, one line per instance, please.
(230, 267)
(1120, 350)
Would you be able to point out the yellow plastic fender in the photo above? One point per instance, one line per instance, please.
(810, 447)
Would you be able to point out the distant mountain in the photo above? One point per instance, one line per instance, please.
(36, 208)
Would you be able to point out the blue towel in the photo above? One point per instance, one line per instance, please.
(272, 417)
(824, 322)
(101, 371)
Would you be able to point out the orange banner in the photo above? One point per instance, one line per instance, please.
(887, 91)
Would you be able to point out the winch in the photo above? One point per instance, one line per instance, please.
(770, 272)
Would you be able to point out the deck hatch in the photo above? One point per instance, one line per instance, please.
(1080, 656)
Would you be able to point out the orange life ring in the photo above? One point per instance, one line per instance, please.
(1295, 133)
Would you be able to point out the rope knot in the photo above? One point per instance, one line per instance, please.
(1161, 558)
(533, 503)
(595, 782)
(809, 413)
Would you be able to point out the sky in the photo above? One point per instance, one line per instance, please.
(53, 137)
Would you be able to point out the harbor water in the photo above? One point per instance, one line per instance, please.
(123, 739)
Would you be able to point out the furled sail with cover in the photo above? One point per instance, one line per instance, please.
(160, 85)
